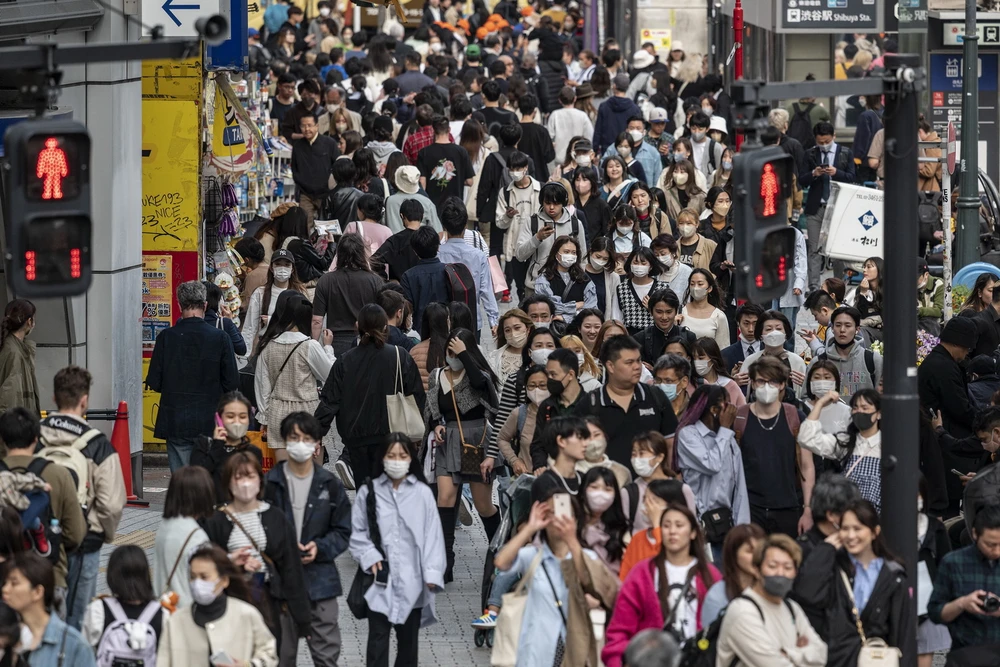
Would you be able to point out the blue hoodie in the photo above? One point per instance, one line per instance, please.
(612, 119)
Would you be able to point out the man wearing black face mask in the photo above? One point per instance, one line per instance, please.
(563, 369)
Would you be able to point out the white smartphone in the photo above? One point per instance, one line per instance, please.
(221, 658)
(561, 505)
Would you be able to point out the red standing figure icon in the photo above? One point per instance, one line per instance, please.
(53, 168)
(769, 190)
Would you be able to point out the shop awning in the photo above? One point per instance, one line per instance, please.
(22, 18)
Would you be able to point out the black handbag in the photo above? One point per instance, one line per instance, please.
(363, 580)
(717, 523)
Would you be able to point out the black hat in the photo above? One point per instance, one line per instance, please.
(281, 253)
(960, 331)
(922, 267)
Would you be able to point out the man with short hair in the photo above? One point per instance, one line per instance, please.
(965, 586)
(392, 303)
(192, 365)
(65, 429)
(494, 115)
(625, 407)
(535, 141)
(313, 500)
(283, 100)
(425, 282)
(495, 167)
(825, 162)
(706, 153)
(445, 167)
(588, 63)
(658, 137)
(515, 205)
(540, 309)
(565, 391)
(308, 105)
(455, 220)
(535, 239)
(646, 154)
(412, 80)
(778, 119)
(19, 430)
(613, 115)
(821, 305)
(568, 122)
(565, 440)
(313, 156)
(498, 74)
(859, 367)
(672, 375)
(664, 306)
(746, 321)
(396, 253)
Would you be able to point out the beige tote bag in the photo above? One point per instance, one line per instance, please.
(507, 632)
(404, 415)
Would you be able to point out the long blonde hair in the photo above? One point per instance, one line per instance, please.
(589, 365)
(690, 69)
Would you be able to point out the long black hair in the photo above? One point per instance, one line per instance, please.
(416, 467)
(716, 296)
(434, 329)
(294, 223)
(472, 347)
(849, 438)
(551, 267)
(615, 524)
(292, 309)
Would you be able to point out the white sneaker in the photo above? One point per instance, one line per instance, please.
(346, 476)
(465, 512)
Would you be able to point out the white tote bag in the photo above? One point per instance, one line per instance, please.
(507, 633)
(404, 416)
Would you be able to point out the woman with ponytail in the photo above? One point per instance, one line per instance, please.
(18, 387)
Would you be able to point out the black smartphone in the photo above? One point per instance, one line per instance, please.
(382, 576)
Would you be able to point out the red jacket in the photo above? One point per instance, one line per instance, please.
(638, 608)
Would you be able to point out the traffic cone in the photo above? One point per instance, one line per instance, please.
(120, 441)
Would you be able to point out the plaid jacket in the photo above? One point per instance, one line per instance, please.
(961, 572)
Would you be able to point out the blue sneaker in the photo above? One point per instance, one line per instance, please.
(487, 621)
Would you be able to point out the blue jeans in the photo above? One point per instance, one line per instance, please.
(81, 585)
(502, 583)
(179, 452)
(38, 501)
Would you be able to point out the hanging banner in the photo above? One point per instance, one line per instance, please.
(157, 297)
(852, 228)
(235, 137)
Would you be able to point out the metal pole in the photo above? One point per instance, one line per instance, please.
(967, 251)
(738, 54)
(900, 411)
(946, 229)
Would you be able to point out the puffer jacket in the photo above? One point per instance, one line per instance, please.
(420, 352)
(819, 588)
(106, 496)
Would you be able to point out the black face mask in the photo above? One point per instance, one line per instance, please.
(863, 420)
(843, 346)
(555, 387)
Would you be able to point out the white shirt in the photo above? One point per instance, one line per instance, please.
(686, 618)
(251, 323)
(699, 154)
(749, 347)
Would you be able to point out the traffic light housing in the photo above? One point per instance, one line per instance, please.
(47, 216)
(765, 248)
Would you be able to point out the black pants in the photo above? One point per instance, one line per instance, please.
(362, 461)
(517, 274)
(777, 521)
(406, 637)
(974, 656)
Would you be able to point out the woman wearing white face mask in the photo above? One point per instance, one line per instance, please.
(395, 528)
(512, 334)
(600, 268)
(514, 438)
(682, 188)
(695, 250)
(773, 330)
(703, 312)
(710, 368)
(605, 529)
(223, 607)
(626, 151)
(678, 273)
(289, 365)
(630, 304)
(563, 280)
(229, 437)
(261, 541)
(595, 209)
(626, 236)
(651, 461)
(720, 178)
(822, 378)
(280, 277)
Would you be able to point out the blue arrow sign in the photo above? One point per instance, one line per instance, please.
(168, 9)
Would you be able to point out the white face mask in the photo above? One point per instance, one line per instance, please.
(599, 500)
(702, 366)
(640, 270)
(920, 504)
(540, 356)
(699, 293)
(236, 431)
(454, 363)
(624, 230)
(536, 396)
(595, 448)
(299, 451)
(681, 179)
(767, 394)
(582, 160)
(635, 135)
(667, 260)
(580, 359)
(686, 231)
(598, 263)
(203, 592)
(820, 388)
(246, 490)
(517, 338)
(567, 260)
(773, 339)
(625, 152)
(324, 12)
(643, 466)
(516, 176)
(282, 273)
(396, 469)
(27, 638)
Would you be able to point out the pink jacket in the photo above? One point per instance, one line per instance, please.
(638, 608)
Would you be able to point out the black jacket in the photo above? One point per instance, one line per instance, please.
(548, 410)
(327, 522)
(424, 284)
(287, 582)
(397, 254)
(212, 455)
(312, 163)
(941, 384)
(988, 328)
(342, 205)
(355, 392)
(844, 163)
(820, 590)
(309, 264)
(933, 468)
(733, 355)
(652, 340)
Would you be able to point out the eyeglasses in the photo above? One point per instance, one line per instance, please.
(761, 382)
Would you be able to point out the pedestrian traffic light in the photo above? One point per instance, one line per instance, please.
(48, 208)
(765, 248)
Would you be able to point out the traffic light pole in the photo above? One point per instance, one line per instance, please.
(901, 85)
(967, 232)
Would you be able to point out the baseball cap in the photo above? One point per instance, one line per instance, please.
(658, 115)
(473, 52)
(922, 266)
(621, 82)
(252, 32)
(281, 253)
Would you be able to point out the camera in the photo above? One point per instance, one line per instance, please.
(991, 603)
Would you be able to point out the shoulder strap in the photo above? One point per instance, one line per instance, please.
(37, 465)
(287, 359)
(739, 425)
(559, 603)
(753, 602)
(854, 606)
(663, 587)
(115, 608)
(80, 443)
(711, 153)
(522, 417)
(530, 574)
(534, 223)
(180, 555)
(792, 417)
(371, 509)
(149, 613)
(576, 225)
(870, 365)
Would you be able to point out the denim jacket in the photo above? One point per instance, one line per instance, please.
(78, 653)
(327, 522)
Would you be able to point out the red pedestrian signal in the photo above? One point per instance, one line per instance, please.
(770, 190)
(51, 167)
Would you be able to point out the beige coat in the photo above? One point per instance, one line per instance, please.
(599, 582)
(240, 632)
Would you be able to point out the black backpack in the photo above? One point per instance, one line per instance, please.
(462, 287)
(54, 537)
(700, 650)
(800, 125)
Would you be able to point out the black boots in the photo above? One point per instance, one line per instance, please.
(491, 524)
(447, 515)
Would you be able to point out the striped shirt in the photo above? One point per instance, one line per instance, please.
(250, 521)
